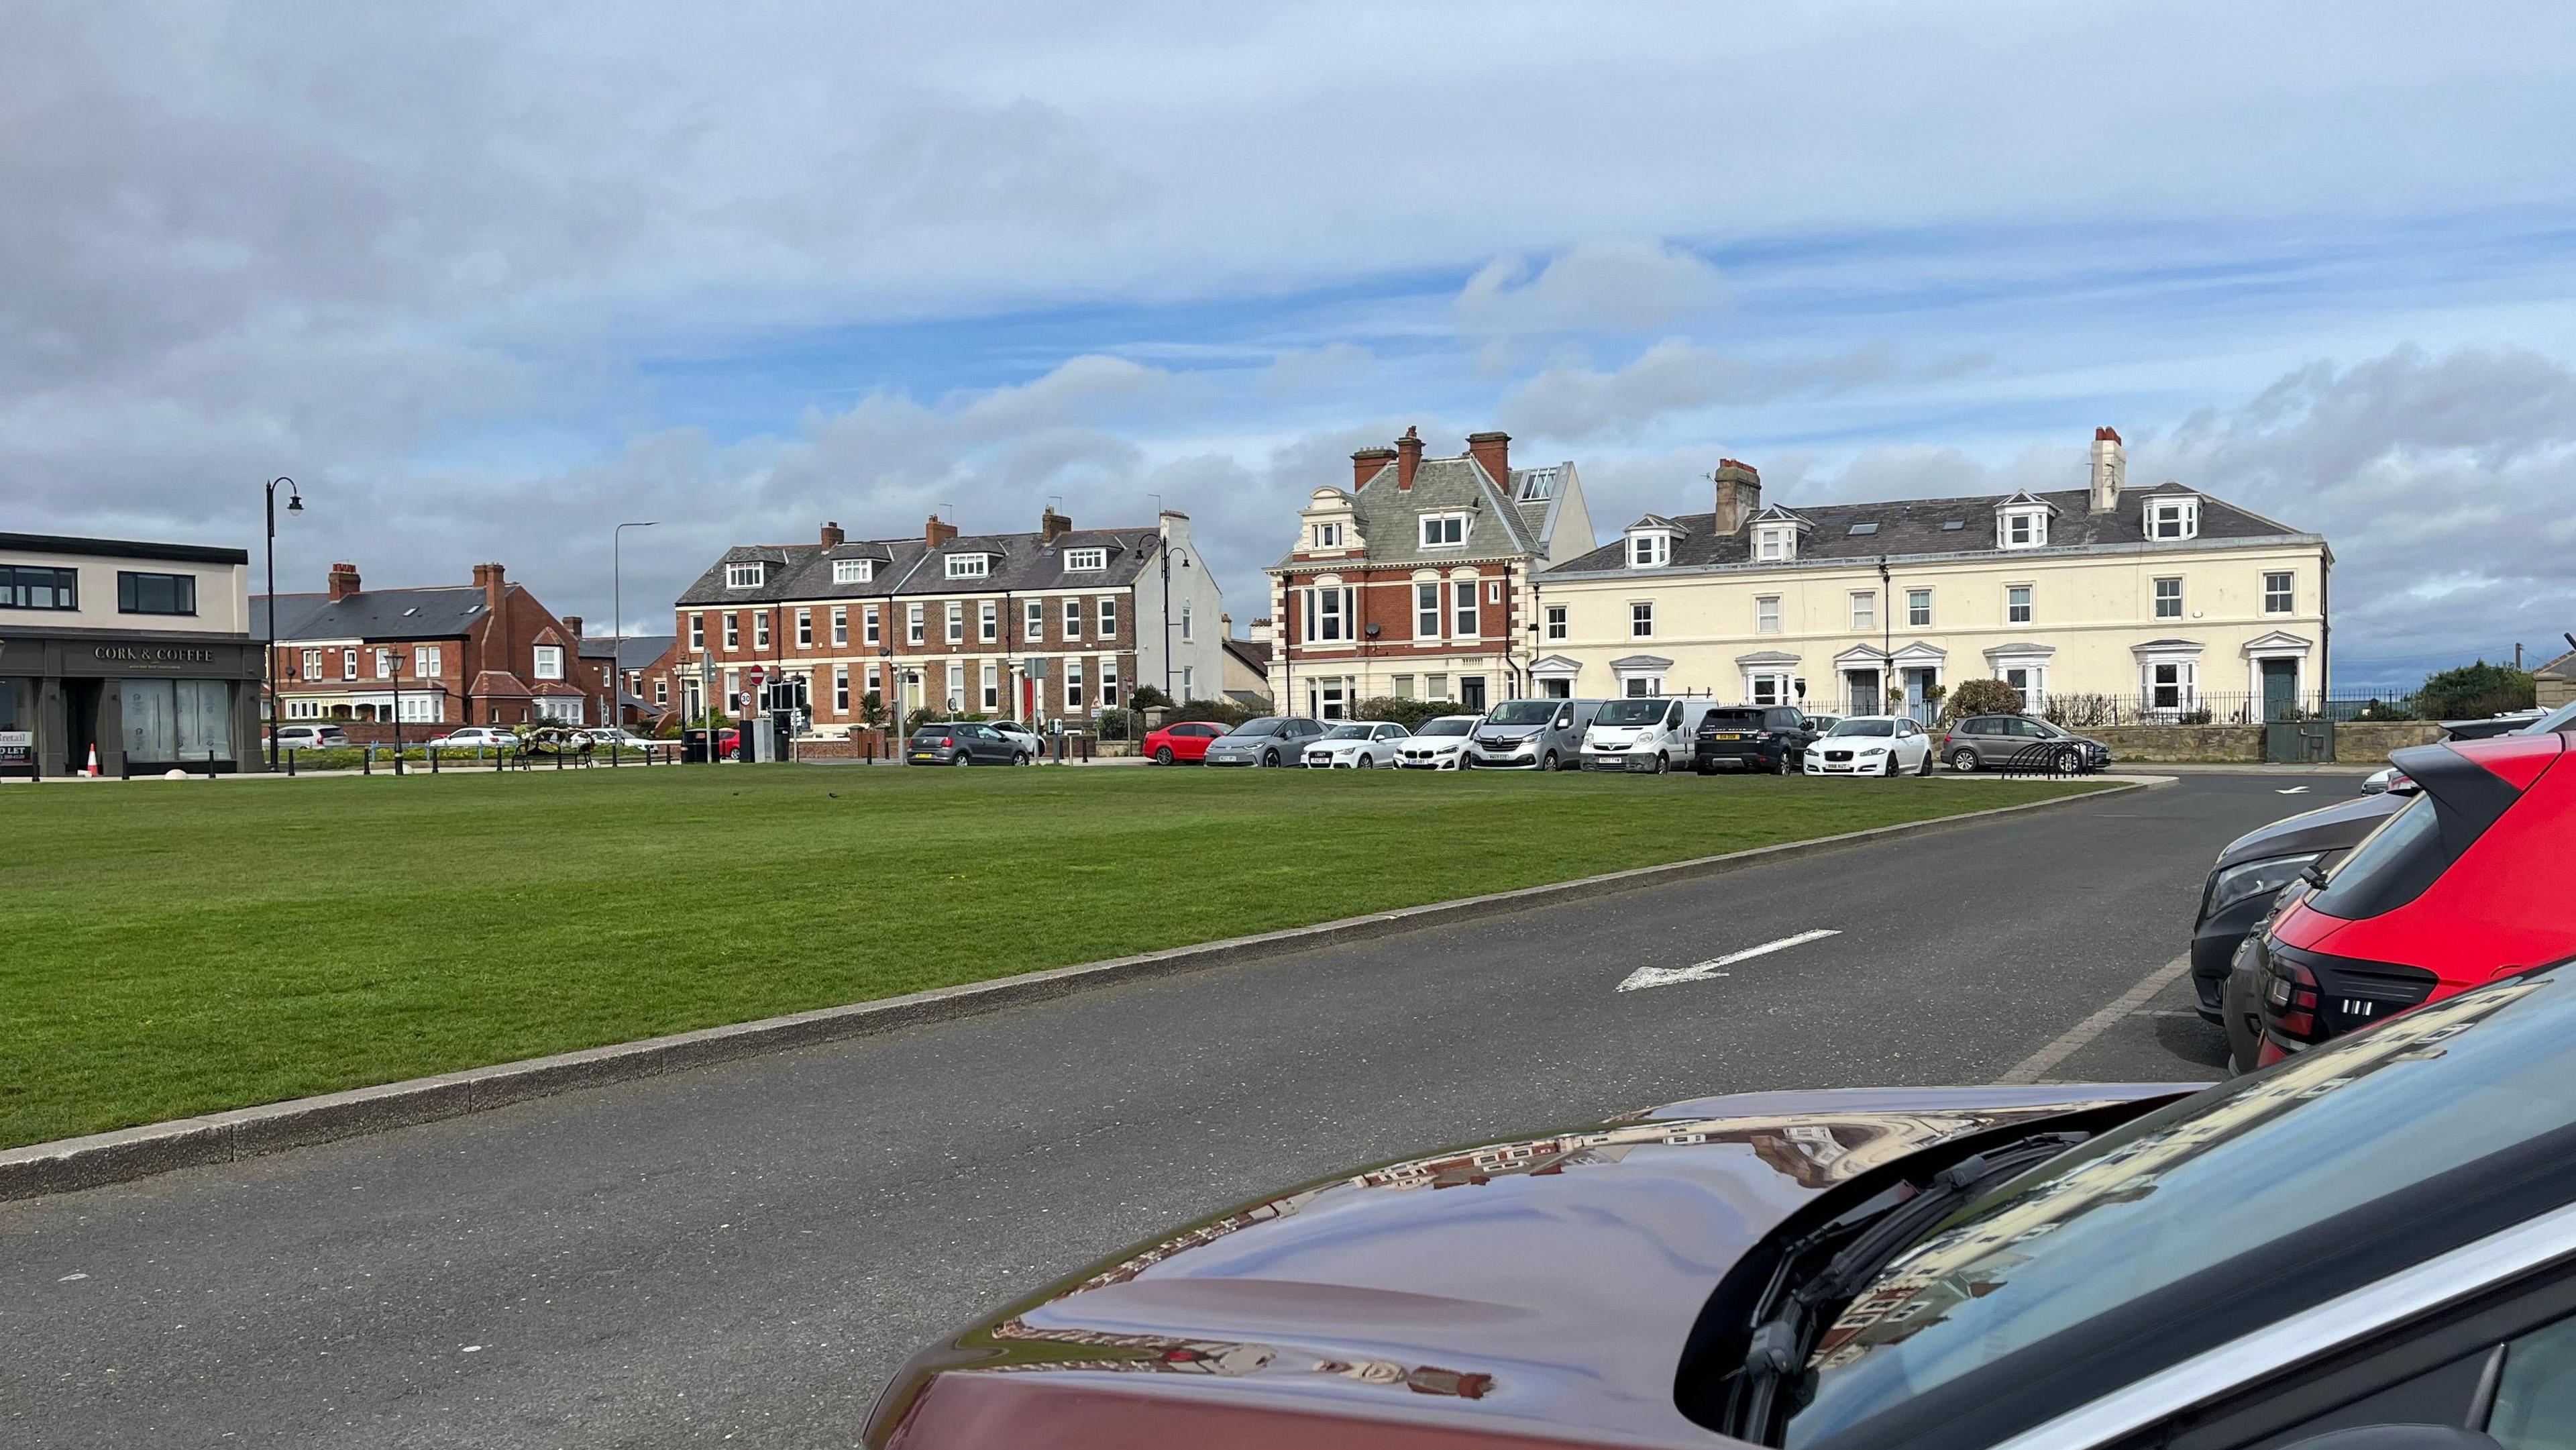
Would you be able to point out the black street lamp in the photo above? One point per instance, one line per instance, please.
(294, 505)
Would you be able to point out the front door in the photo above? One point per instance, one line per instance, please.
(2280, 689)
(1918, 694)
(1471, 692)
(1861, 688)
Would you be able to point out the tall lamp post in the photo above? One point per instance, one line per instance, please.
(617, 616)
(393, 669)
(294, 505)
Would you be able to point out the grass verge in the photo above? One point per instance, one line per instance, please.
(183, 947)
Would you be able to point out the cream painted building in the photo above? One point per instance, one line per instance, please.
(2106, 602)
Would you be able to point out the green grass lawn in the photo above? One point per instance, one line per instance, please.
(184, 947)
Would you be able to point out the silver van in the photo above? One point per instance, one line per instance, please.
(1651, 733)
(1532, 735)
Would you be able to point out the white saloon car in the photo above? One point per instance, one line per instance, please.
(477, 737)
(1871, 745)
(1355, 745)
(1441, 744)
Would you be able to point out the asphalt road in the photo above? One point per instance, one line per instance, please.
(744, 1252)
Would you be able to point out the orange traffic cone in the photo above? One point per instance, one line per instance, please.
(93, 762)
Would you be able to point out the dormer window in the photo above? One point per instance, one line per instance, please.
(1328, 536)
(969, 566)
(1085, 561)
(1652, 549)
(1775, 543)
(2173, 517)
(853, 571)
(1444, 531)
(1538, 485)
(745, 576)
(2022, 528)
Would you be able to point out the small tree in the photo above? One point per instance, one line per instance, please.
(1221, 712)
(1983, 697)
(2473, 692)
(1408, 713)
(1146, 697)
(872, 709)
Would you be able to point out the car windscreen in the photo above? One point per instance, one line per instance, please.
(1457, 725)
(1865, 727)
(1259, 725)
(1630, 712)
(1731, 720)
(2079, 1267)
(1524, 712)
(1348, 732)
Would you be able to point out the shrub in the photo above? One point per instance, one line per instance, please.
(2473, 692)
(2379, 709)
(1982, 697)
(1408, 713)
(1146, 697)
(1121, 725)
(1222, 712)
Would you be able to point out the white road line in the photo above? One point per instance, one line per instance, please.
(2294, 790)
(2031, 1068)
(1666, 976)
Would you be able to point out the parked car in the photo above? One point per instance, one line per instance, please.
(1184, 741)
(310, 737)
(965, 742)
(1441, 743)
(1355, 745)
(2472, 878)
(2239, 895)
(1652, 734)
(729, 743)
(1987, 742)
(618, 737)
(2371, 1236)
(2510, 722)
(1021, 736)
(1264, 740)
(477, 737)
(1772, 738)
(2384, 780)
(1533, 734)
(1871, 745)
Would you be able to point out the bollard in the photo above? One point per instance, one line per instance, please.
(558, 760)
(366, 760)
(432, 753)
(290, 762)
(496, 757)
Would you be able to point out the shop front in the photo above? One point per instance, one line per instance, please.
(146, 703)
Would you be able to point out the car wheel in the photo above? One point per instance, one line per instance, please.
(1926, 767)
(1784, 768)
(2069, 763)
(1162, 755)
(1964, 760)
(1661, 764)
(963, 759)
(1890, 772)
(1270, 758)
(1550, 762)
(1022, 758)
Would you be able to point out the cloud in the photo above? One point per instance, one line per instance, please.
(1595, 287)
(1672, 377)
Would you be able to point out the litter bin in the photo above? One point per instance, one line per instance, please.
(693, 747)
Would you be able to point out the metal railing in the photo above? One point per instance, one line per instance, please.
(2171, 705)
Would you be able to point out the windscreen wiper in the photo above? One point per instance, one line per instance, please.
(1780, 1342)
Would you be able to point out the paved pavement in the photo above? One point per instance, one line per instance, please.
(744, 1252)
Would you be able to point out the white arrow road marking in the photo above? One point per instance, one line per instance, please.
(2294, 790)
(1666, 976)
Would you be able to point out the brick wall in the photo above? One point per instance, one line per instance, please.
(2356, 742)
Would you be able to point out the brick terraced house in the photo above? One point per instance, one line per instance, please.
(1413, 581)
(1055, 625)
(485, 653)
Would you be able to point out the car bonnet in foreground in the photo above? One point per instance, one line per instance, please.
(1543, 1288)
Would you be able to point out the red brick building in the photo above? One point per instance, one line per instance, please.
(485, 653)
(1414, 582)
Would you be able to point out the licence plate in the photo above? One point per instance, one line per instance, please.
(1724, 736)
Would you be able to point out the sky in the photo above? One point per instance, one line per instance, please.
(486, 279)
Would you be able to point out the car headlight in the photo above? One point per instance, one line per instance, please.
(2254, 878)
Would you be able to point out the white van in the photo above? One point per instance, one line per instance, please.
(1655, 733)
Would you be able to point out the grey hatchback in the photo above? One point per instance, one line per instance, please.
(1988, 742)
(965, 742)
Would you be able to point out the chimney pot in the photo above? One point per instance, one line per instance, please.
(1052, 526)
(1368, 462)
(832, 535)
(344, 581)
(1493, 452)
(1739, 494)
(938, 533)
(1408, 457)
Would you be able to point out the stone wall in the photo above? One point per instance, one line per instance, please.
(2367, 742)
(2357, 742)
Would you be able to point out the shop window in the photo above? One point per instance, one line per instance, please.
(155, 593)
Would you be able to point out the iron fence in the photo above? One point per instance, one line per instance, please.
(2171, 705)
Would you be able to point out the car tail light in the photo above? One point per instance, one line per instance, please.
(2310, 997)
(946, 741)
(2290, 998)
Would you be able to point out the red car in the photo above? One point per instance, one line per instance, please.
(1187, 740)
(2474, 879)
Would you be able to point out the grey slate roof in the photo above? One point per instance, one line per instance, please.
(439, 613)
(1389, 517)
(906, 568)
(633, 652)
(1914, 526)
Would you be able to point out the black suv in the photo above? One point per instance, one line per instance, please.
(1752, 737)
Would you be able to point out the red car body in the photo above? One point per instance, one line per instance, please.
(1182, 741)
(1522, 1294)
(2474, 879)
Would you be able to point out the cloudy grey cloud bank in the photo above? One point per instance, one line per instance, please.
(476, 274)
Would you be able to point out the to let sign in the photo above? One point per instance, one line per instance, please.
(17, 747)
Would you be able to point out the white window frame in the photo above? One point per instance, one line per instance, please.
(804, 629)
(1036, 620)
(1465, 622)
(546, 662)
(2032, 520)
(1108, 625)
(1775, 543)
(2183, 514)
(871, 626)
(1918, 609)
(1109, 682)
(313, 664)
(428, 661)
(746, 575)
(1085, 561)
(956, 687)
(1185, 624)
(1766, 614)
(1641, 619)
(2288, 593)
(348, 664)
(1401, 686)
(1328, 536)
(840, 626)
(1864, 610)
(840, 689)
(1558, 626)
(988, 621)
(697, 631)
(1073, 619)
(384, 663)
(854, 571)
(989, 686)
(916, 627)
(662, 690)
(956, 621)
(969, 566)
(2159, 598)
(1332, 612)
(760, 629)
(1651, 549)
(1444, 531)
(1426, 609)
(1072, 685)
(2028, 606)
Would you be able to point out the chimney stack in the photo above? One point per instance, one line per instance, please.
(832, 535)
(1259, 633)
(1408, 458)
(1494, 452)
(494, 587)
(1739, 494)
(572, 625)
(1052, 526)
(344, 581)
(938, 533)
(1366, 463)
(2110, 470)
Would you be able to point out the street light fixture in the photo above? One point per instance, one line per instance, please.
(617, 616)
(294, 505)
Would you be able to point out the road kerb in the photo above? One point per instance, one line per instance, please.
(142, 1151)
